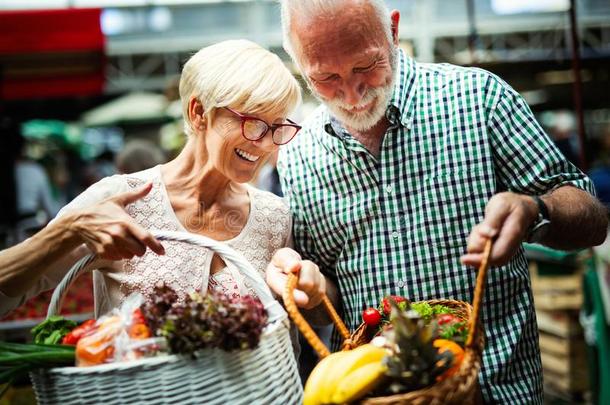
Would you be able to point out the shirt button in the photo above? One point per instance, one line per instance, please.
(389, 189)
(395, 234)
(401, 283)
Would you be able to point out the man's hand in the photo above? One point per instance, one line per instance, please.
(110, 232)
(508, 217)
(312, 283)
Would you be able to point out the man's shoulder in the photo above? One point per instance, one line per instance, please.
(445, 74)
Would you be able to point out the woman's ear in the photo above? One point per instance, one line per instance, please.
(196, 114)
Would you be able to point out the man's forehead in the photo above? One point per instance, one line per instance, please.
(318, 44)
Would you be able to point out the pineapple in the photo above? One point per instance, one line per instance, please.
(415, 362)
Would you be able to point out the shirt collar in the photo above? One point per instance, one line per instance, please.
(405, 88)
(400, 106)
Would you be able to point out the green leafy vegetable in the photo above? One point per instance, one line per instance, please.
(52, 330)
(427, 311)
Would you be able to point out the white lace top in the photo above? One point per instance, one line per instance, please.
(184, 267)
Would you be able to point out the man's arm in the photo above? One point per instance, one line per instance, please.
(527, 163)
(578, 220)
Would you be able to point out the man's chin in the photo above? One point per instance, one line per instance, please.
(358, 122)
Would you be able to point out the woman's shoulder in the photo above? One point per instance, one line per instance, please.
(268, 201)
(142, 177)
(109, 187)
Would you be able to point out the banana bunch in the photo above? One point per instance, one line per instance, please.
(346, 376)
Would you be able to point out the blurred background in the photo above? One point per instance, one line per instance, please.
(88, 88)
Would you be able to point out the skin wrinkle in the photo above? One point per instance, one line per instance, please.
(334, 67)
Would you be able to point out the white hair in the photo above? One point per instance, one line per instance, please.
(307, 9)
(240, 74)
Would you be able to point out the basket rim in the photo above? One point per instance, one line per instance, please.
(162, 358)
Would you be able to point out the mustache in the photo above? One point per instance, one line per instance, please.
(368, 96)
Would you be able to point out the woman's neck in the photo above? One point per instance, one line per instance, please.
(190, 176)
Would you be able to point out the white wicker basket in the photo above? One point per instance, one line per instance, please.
(265, 375)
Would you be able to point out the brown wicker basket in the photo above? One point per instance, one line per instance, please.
(461, 388)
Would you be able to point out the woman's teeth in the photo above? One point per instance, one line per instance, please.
(249, 157)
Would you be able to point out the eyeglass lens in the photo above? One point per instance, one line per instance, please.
(256, 129)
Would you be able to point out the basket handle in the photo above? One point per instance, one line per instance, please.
(274, 309)
(479, 292)
(321, 348)
(303, 325)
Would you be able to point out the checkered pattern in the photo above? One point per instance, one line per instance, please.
(398, 224)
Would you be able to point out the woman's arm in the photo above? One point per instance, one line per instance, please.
(22, 265)
(105, 228)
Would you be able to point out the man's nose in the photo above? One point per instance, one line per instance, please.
(353, 90)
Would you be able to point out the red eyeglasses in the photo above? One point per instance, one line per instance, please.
(253, 129)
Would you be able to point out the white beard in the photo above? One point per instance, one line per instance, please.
(367, 119)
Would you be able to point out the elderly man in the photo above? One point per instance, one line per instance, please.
(406, 167)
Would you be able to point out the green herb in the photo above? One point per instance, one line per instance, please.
(427, 311)
(52, 330)
(457, 331)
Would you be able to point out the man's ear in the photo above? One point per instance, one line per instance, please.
(395, 17)
(196, 113)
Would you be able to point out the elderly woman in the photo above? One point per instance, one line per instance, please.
(236, 98)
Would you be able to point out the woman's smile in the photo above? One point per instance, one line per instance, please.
(248, 157)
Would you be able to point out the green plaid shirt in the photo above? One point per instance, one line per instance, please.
(398, 224)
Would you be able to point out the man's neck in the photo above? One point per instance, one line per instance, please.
(372, 138)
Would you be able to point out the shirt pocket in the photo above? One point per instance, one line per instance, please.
(452, 203)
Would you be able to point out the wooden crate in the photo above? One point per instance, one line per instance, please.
(559, 323)
(556, 292)
(564, 362)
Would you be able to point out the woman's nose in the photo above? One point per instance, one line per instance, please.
(266, 142)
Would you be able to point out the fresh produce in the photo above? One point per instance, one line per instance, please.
(447, 324)
(77, 333)
(427, 311)
(17, 359)
(451, 327)
(415, 361)
(371, 316)
(385, 303)
(359, 382)
(444, 345)
(97, 347)
(99, 344)
(213, 320)
(339, 370)
(52, 330)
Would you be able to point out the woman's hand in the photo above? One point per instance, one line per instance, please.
(110, 232)
(312, 283)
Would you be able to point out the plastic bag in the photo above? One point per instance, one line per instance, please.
(120, 335)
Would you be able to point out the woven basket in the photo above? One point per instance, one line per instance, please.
(461, 388)
(265, 375)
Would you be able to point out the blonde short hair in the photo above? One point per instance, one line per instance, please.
(239, 74)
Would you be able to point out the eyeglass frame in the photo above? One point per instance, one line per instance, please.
(272, 127)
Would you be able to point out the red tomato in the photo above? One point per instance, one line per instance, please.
(446, 319)
(385, 303)
(371, 316)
